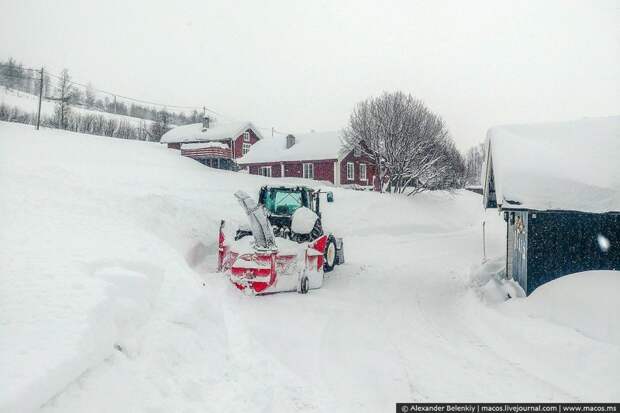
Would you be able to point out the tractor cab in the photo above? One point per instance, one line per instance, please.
(281, 202)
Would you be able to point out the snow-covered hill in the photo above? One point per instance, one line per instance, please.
(29, 104)
(109, 302)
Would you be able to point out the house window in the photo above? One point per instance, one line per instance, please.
(246, 136)
(265, 171)
(350, 171)
(357, 152)
(246, 148)
(363, 175)
(309, 170)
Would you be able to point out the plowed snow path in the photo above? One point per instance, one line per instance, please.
(383, 328)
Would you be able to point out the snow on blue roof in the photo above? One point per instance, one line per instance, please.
(556, 166)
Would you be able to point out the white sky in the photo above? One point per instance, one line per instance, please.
(303, 65)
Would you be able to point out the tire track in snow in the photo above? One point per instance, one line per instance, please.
(440, 335)
(268, 383)
(476, 355)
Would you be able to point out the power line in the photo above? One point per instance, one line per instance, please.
(51, 75)
(142, 101)
(134, 99)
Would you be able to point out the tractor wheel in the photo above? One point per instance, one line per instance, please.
(304, 285)
(330, 254)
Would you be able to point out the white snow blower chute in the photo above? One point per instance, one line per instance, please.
(284, 248)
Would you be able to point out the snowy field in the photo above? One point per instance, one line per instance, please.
(109, 302)
(29, 103)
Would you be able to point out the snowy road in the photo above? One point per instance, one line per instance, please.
(125, 312)
(379, 331)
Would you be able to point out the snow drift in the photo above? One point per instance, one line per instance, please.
(586, 302)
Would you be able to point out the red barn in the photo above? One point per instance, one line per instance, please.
(218, 145)
(318, 156)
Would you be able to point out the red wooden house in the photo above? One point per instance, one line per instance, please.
(218, 145)
(318, 156)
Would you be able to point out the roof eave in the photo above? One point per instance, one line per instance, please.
(287, 161)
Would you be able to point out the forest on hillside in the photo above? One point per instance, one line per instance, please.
(68, 94)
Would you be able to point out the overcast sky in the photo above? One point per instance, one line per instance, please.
(303, 65)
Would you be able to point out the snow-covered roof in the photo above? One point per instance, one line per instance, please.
(216, 131)
(309, 146)
(555, 166)
(204, 145)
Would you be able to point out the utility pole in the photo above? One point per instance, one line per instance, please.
(40, 99)
(115, 104)
(272, 131)
(484, 241)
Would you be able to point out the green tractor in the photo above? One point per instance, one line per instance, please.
(294, 213)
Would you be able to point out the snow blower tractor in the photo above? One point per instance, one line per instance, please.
(284, 248)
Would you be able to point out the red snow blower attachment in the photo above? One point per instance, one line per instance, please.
(260, 262)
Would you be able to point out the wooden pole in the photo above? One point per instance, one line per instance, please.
(484, 241)
(40, 99)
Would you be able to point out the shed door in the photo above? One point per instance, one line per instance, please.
(519, 255)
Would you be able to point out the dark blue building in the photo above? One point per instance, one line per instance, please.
(558, 188)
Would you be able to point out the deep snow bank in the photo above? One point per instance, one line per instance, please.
(586, 301)
(95, 233)
(565, 333)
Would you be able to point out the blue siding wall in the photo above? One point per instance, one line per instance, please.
(560, 243)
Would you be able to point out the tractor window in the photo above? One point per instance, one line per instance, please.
(283, 202)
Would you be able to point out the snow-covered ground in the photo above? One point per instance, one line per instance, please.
(109, 302)
(29, 103)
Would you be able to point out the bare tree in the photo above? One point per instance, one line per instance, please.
(474, 158)
(64, 92)
(363, 134)
(160, 126)
(11, 74)
(89, 96)
(407, 142)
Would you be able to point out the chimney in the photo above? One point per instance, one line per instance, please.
(290, 141)
(205, 123)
